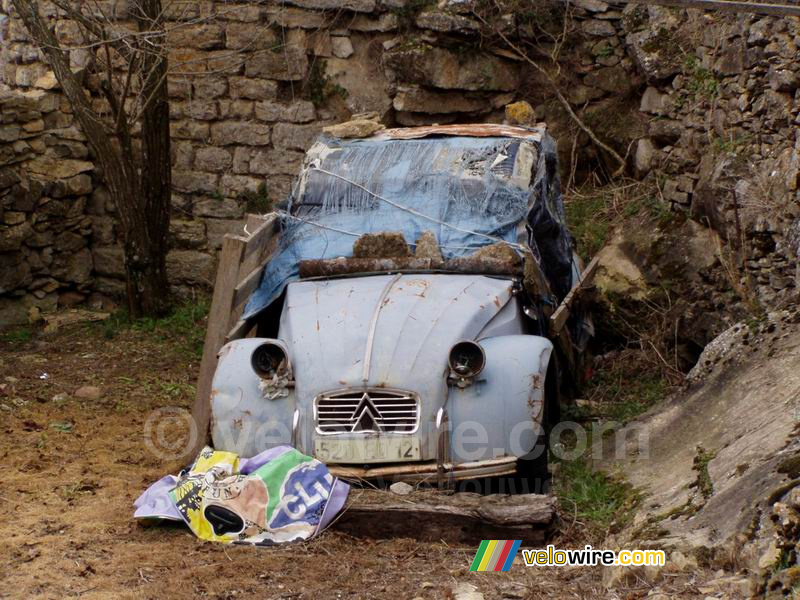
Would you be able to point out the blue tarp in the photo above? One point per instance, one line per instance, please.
(470, 191)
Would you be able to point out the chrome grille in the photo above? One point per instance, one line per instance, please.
(366, 411)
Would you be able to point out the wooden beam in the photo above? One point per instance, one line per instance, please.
(779, 10)
(219, 323)
(457, 518)
(560, 316)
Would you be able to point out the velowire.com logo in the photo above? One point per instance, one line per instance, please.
(495, 555)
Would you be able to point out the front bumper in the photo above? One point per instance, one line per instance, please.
(430, 472)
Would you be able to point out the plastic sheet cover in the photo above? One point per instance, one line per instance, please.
(470, 191)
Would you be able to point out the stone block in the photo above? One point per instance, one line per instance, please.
(191, 182)
(286, 64)
(271, 162)
(213, 159)
(109, 261)
(218, 228)
(295, 137)
(189, 266)
(187, 234)
(240, 132)
(208, 36)
(300, 111)
(218, 209)
(252, 89)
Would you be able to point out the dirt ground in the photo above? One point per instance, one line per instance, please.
(73, 467)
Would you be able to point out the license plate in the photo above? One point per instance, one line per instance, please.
(367, 450)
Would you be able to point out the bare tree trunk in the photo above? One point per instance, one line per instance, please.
(139, 185)
(148, 239)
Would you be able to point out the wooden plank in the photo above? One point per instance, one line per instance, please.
(780, 10)
(238, 331)
(259, 242)
(219, 323)
(457, 518)
(560, 316)
(247, 285)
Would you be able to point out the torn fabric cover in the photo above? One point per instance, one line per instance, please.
(470, 191)
(278, 496)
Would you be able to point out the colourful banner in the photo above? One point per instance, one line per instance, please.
(495, 555)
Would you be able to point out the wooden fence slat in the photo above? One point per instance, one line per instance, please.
(560, 316)
(247, 286)
(219, 323)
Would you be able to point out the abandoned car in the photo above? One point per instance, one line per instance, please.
(405, 324)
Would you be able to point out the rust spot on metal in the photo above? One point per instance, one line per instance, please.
(237, 423)
(496, 301)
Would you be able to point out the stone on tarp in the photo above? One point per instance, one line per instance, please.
(386, 244)
(520, 113)
(500, 251)
(360, 128)
(428, 247)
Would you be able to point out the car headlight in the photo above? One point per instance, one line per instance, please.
(467, 360)
(268, 360)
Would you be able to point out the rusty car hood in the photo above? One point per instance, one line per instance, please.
(385, 330)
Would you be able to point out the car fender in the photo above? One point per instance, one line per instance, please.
(243, 419)
(500, 413)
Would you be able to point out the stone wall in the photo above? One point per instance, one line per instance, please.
(722, 134)
(253, 83)
(45, 187)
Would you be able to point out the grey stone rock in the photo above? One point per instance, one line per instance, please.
(608, 79)
(218, 209)
(782, 80)
(252, 89)
(218, 228)
(208, 36)
(201, 110)
(234, 186)
(250, 36)
(187, 234)
(213, 159)
(655, 53)
(424, 64)
(446, 22)
(368, 23)
(54, 168)
(193, 182)
(109, 261)
(341, 47)
(189, 266)
(189, 130)
(598, 27)
(74, 267)
(367, 6)
(288, 64)
(240, 132)
(300, 111)
(295, 137)
(593, 6)
(415, 99)
(581, 94)
(654, 102)
(68, 241)
(645, 155)
(14, 272)
(12, 238)
(270, 162)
